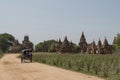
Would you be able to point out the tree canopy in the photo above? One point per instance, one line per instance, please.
(4, 41)
(117, 42)
(44, 46)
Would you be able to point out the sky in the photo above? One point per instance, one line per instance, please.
(54, 19)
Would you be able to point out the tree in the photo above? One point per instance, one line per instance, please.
(44, 46)
(5, 38)
(117, 42)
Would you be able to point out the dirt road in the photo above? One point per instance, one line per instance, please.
(12, 69)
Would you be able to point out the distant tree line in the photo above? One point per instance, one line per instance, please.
(46, 46)
(116, 42)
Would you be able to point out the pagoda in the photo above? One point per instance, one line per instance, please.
(100, 49)
(26, 44)
(83, 43)
(66, 46)
(16, 47)
(57, 45)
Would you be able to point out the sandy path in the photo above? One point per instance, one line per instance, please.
(12, 69)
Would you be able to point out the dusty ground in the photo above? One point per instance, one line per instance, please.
(12, 69)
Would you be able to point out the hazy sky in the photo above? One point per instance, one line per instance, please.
(53, 19)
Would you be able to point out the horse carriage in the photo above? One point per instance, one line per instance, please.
(26, 55)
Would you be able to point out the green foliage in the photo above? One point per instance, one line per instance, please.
(30, 44)
(4, 38)
(45, 46)
(99, 65)
(117, 42)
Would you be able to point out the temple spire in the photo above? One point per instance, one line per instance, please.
(99, 43)
(82, 39)
(105, 41)
(83, 43)
(93, 44)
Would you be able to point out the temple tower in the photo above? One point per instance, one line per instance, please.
(105, 43)
(16, 46)
(93, 47)
(26, 44)
(57, 45)
(83, 43)
(99, 45)
(100, 49)
(106, 46)
(66, 46)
